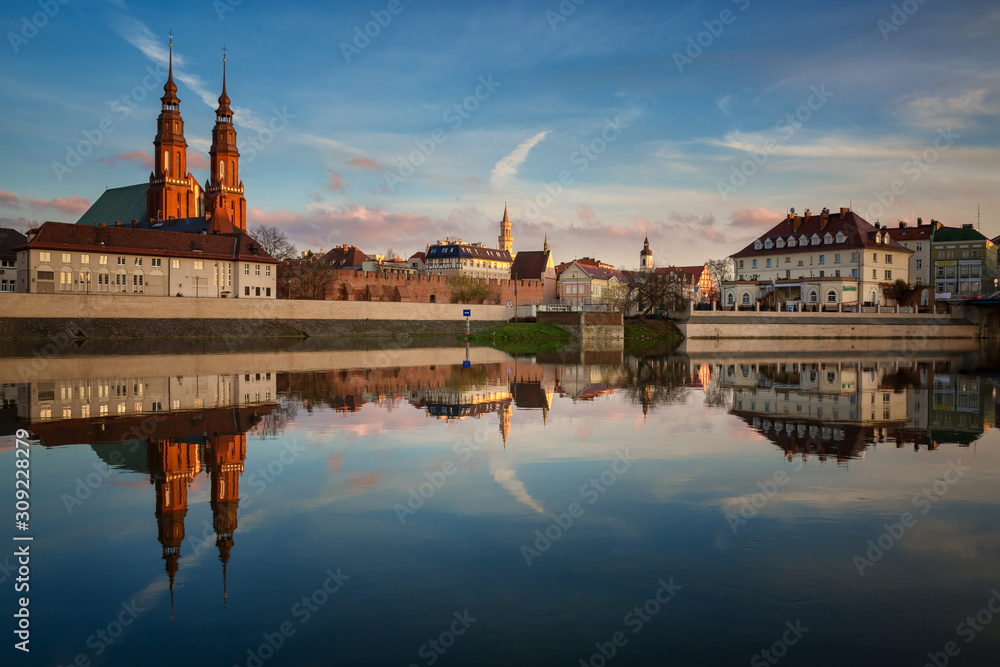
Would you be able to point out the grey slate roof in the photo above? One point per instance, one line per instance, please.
(8, 239)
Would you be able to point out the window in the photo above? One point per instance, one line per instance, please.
(757, 244)
(828, 238)
(854, 273)
(246, 291)
(919, 246)
(65, 280)
(267, 271)
(831, 297)
(156, 261)
(137, 282)
(199, 264)
(888, 275)
(44, 257)
(246, 269)
(258, 292)
(822, 259)
(121, 261)
(67, 258)
(874, 274)
(730, 299)
(769, 261)
(822, 274)
(85, 259)
(836, 258)
(768, 244)
(888, 258)
(875, 257)
(836, 273)
(813, 297)
(268, 291)
(103, 260)
(755, 264)
(975, 253)
(840, 237)
(256, 270)
(746, 298)
(854, 256)
(741, 263)
(138, 261)
(176, 263)
(920, 263)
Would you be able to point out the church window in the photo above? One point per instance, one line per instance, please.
(222, 171)
(166, 163)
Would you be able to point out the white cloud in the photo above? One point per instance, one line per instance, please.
(506, 168)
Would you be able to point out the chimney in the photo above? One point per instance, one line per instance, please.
(796, 222)
(902, 224)
(935, 224)
(920, 222)
(824, 218)
(877, 225)
(967, 225)
(806, 214)
(843, 212)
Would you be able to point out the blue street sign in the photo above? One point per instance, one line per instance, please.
(466, 364)
(467, 312)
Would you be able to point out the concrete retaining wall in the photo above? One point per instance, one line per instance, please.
(737, 325)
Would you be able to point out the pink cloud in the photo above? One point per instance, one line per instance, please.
(755, 218)
(68, 205)
(196, 161)
(586, 213)
(144, 158)
(366, 163)
(8, 200)
(336, 182)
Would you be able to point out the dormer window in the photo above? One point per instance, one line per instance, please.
(803, 240)
(757, 244)
(815, 239)
(780, 243)
(768, 244)
(828, 238)
(840, 237)
(791, 241)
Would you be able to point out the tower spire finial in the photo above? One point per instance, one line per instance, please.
(224, 112)
(170, 88)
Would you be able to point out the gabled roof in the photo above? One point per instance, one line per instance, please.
(64, 237)
(532, 264)
(691, 273)
(952, 234)
(9, 239)
(858, 233)
(599, 273)
(122, 204)
(919, 233)
(345, 257)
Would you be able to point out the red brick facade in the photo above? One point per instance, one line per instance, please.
(376, 286)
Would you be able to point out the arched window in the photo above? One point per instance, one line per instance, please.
(746, 297)
(874, 297)
(166, 163)
(222, 171)
(731, 299)
(831, 296)
(178, 166)
(232, 172)
(813, 297)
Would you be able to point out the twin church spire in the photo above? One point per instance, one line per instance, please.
(173, 191)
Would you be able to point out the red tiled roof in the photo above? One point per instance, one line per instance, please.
(921, 233)
(63, 236)
(343, 257)
(858, 232)
(692, 273)
(597, 273)
(530, 264)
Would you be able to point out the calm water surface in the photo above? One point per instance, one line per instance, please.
(394, 508)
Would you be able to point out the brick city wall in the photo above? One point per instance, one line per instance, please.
(351, 285)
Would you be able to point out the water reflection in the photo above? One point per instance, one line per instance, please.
(706, 430)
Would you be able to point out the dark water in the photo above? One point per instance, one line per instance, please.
(329, 507)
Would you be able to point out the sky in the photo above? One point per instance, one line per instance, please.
(396, 123)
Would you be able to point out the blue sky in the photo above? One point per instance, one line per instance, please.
(698, 122)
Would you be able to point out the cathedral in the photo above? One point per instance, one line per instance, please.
(173, 198)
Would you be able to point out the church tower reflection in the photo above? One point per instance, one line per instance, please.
(225, 456)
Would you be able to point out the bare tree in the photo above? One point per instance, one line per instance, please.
(273, 241)
(649, 290)
(310, 278)
(719, 270)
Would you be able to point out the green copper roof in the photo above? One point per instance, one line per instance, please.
(125, 204)
(952, 234)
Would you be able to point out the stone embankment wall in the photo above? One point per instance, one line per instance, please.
(126, 316)
(736, 325)
(587, 326)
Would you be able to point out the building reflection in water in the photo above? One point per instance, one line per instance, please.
(838, 408)
(187, 424)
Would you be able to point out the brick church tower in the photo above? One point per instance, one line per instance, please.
(173, 191)
(224, 189)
